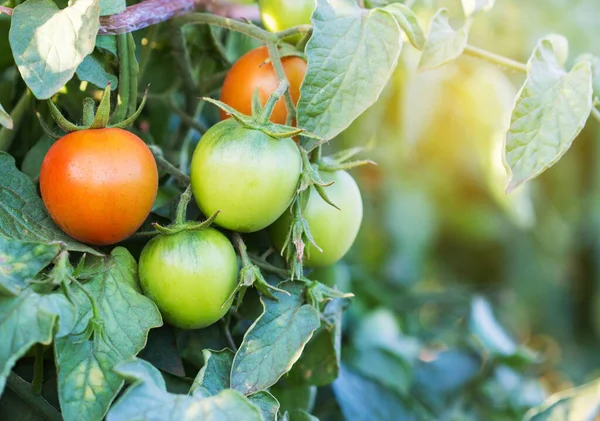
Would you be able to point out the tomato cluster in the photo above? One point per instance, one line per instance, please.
(99, 186)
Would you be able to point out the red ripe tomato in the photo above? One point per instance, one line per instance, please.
(251, 72)
(99, 185)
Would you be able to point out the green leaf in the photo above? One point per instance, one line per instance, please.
(215, 375)
(363, 400)
(293, 396)
(147, 399)
(87, 383)
(408, 22)
(5, 119)
(472, 7)
(275, 340)
(31, 318)
(299, 415)
(551, 109)
(92, 70)
(23, 215)
(108, 43)
(443, 44)
(21, 261)
(494, 338)
(32, 163)
(576, 404)
(351, 56)
(381, 353)
(320, 362)
(268, 405)
(112, 7)
(48, 44)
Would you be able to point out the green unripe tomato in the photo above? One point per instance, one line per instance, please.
(189, 275)
(278, 15)
(247, 175)
(333, 230)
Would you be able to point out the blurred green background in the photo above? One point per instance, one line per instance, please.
(439, 230)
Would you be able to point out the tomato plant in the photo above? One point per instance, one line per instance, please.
(244, 173)
(190, 276)
(333, 230)
(252, 72)
(99, 185)
(299, 210)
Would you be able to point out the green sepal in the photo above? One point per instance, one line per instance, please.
(131, 119)
(61, 121)
(103, 114)
(47, 129)
(88, 111)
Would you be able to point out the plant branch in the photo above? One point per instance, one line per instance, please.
(261, 263)
(182, 178)
(280, 72)
(495, 58)
(25, 392)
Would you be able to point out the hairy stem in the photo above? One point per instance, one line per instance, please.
(280, 72)
(495, 58)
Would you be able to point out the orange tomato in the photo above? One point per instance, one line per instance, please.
(99, 185)
(251, 72)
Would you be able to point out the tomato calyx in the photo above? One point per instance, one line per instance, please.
(341, 161)
(92, 119)
(319, 293)
(180, 224)
(251, 276)
(259, 120)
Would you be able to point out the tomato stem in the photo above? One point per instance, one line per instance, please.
(17, 115)
(495, 58)
(24, 391)
(182, 206)
(179, 176)
(281, 76)
(266, 112)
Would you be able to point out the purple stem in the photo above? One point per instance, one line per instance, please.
(151, 12)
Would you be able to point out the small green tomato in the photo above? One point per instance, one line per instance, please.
(190, 276)
(333, 230)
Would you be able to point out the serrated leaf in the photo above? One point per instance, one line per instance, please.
(215, 375)
(320, 362)
(275, 340)
(443, 44)
(351, 56)
(363, 400)
(407, 20)
(31, 318)
(91, 70)
(48, 44)
(23, 215)
(5, 119)
(551, 109)
(472, 7)
(147, 399)
(87, 382)
(21, 261)
(576, 404)
(112, 7)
